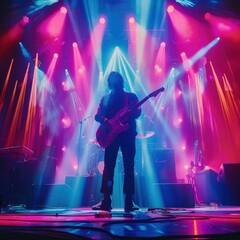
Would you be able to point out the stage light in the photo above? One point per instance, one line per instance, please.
(74, 45)
(53, 25)
(186, 167)
(207, 16)
(63, 10)
(177, 122)
(186, 3)
(102, 20)
(203, 51)
(65, 86)
(55, 55)
(39, 4)
(183, 54)
(25, 20)
(131, 20)
(81, 69)
(75, 167)
(163, 44)
(170, 9)
(24, 51)
(158, 68)
(66, 122)
(183, 147)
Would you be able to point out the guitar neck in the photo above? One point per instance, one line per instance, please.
(153, 94)
(141, 102)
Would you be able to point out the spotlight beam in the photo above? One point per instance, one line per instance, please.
(203, 51)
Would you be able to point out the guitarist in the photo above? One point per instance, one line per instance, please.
(109, 106)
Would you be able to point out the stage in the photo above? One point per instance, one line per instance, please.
(55, 60)
(201, 222)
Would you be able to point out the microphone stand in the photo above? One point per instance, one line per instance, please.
(79, 143)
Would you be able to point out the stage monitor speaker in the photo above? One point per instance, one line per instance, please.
(164, 165)
(207, 186)
(172, 195)
(230, 188)
(231, 172)
(25, 174)
(86, 189)
(49, 195)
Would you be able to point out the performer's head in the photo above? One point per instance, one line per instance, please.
(115, 81)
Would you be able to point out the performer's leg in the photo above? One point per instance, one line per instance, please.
(128, 150)
(110, 158)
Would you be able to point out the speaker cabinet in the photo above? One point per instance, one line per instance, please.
(6, 175)
(25, 174)
(207, 186)
(49, 195)
(164, 165)
(230, 187)
(172, 195)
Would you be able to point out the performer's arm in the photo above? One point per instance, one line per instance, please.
(100, 116)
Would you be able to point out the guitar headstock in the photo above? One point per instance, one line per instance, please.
(156, 92)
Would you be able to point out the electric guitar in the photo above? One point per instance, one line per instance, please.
(117, 124)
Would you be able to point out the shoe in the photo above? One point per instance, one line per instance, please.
(130, 206)
(103, 205)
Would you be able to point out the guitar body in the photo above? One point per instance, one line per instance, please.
(106, 135)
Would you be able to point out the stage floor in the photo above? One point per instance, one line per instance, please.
(205, 222)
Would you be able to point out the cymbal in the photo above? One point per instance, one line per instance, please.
(146, 134)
